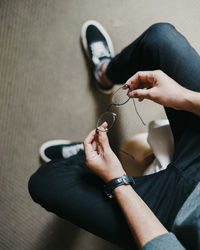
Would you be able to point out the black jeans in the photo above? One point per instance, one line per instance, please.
(71, 190)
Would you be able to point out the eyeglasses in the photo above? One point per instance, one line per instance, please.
(119, 98)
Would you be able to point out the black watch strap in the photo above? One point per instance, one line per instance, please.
(122, 180)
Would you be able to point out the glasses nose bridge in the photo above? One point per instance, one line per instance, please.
(109, 107)
(109, 115)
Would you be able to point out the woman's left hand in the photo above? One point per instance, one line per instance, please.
(100, 158)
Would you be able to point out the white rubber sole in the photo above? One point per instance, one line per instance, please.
(47, 144)
(85, 45)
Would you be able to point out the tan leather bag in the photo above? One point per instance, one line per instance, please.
(141, 154)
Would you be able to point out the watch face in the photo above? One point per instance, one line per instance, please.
(124, 178)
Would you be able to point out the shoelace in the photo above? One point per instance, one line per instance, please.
(71, 150)
(98, 51)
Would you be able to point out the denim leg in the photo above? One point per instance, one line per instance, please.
(162, 47)
(69, 189)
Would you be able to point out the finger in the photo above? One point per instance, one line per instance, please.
(88, 141)
(90, 137)
(125, 86)
(103, 126)
(94, 145)
(140, 99)
(142, 79)
(103, 141)
(141, 94)
(102, 137)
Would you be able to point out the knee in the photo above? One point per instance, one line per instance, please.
(161, 34)
(52, 179)
(35, 186)
(159, 28)
(40, 184)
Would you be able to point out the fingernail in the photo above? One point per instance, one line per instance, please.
(125, 86)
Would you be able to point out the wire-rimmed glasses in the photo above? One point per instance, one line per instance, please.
(119, 98)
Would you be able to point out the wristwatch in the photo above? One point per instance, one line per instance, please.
(111, 185)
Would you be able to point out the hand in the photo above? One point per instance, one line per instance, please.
(158, 87)
(100, 158)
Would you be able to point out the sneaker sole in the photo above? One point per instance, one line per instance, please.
(85, 46)
(47, 144)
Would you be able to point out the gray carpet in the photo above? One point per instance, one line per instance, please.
(46, 93)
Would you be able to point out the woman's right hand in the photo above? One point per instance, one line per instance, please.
(158, 87)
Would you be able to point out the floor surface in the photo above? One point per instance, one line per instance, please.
(46, 92)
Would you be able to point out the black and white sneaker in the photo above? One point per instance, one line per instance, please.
(99, 49)
(59, 149)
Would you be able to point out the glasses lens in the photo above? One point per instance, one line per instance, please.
(107, 117)
(120, 96)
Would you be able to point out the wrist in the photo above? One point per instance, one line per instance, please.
(113, 176)
(185, 100)
(192, 102)
(122, 190)
(110, 186)
(180, 99)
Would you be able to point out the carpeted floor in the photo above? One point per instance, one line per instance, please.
(46, 93)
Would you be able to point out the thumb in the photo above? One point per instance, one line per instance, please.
(141, 94)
